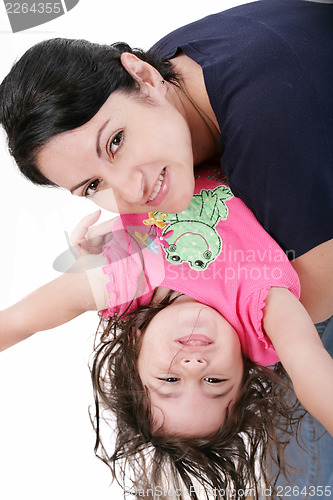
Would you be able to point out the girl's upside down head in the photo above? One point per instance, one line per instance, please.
(190, 404)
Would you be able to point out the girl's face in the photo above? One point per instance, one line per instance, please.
(134, 156)
(191, 362)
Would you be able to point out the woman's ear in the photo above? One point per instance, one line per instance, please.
(141, 71)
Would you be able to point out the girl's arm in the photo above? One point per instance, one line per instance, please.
(66, 297)
(52, 305)
(301, 352)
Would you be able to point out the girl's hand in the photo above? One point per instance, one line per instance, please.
(86, 239)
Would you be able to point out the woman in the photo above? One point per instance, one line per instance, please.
(126, 154)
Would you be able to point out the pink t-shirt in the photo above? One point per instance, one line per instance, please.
(215, 251)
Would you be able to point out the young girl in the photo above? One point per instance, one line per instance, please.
(238, 303)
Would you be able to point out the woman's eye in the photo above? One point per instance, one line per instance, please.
(92, 187)
(169, 379)
(212, 380)
(115, 143)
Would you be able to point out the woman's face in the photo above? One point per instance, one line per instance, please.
(134, 156)
(191, 362)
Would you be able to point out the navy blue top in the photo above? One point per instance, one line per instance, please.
(268, 70)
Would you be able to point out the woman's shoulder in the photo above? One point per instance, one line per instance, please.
(254, 28)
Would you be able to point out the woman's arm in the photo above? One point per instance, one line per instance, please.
(52, 305)
(301, 352)
(315, 271)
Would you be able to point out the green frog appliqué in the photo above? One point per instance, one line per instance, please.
(190, 236)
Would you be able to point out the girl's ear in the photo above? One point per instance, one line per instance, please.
(141, 71)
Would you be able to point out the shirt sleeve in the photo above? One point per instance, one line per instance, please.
(257, 345)
(135, 267)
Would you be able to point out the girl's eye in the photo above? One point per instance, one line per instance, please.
(91, 188)
(115, 143)
(212, 380)
(169, 379)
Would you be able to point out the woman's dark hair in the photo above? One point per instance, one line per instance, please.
(58, 85)
(242, 455)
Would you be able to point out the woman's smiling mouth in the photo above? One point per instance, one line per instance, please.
(157, 187)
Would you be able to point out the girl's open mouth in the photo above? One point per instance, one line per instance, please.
(195, 340)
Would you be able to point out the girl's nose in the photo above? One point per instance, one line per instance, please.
(196, 363)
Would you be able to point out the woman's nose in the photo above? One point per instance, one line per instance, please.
(129, 185)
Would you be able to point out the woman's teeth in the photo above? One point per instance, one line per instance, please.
(157, 186)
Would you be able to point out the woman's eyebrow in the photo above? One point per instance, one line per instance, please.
(98, 138)
(78, 185)
(98, 151)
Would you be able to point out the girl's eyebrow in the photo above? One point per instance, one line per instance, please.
(168, 395)
(98, 138)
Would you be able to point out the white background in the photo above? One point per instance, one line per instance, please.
(46, 439)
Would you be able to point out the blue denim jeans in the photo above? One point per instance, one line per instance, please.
(315, 476)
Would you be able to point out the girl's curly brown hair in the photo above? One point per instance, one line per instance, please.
(241, 456)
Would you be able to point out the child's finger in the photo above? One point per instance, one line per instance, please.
(79, 233)
(101, 229)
